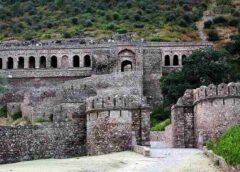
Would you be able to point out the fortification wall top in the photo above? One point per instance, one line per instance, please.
(83, 43)
(212, 91)
(115, 102)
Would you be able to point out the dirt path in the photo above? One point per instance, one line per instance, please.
(165, 160)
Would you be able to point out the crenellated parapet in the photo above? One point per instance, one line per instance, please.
(99, 103)
(220, 91)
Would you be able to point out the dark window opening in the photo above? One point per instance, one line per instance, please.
(126, 66)
(10, 63)
(76, 61)
(20, 63)
(183, 59)
(54, 62)
(31, 62)
(0, 63)
(43, 62)
(167, 60)
(87, 61)
(175, 61)
(51, 118)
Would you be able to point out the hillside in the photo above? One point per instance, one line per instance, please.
(155, 20)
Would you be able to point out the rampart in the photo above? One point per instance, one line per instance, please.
(204, 113)
(23, 143)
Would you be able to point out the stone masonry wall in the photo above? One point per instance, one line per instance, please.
(205, 113)
(40, 142)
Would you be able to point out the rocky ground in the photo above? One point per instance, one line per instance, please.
(162, 160)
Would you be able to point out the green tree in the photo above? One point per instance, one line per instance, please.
(203, 67)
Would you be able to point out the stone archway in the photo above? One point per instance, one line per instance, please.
(126, 60)
(126, 66)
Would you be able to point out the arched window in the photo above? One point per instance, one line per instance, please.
(31, 62)
(76, 61)
(10, 63)
(20, 63)
(175, 60)
(87, 61)
(126, 66)
(54, 62)
(43, 62)
(0, 63)
(183, 59)
(167, 60)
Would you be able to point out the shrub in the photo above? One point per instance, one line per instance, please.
(208, 24)
(116, 16)
(161, 126)
(233, 22)
(220, 20)
(74, 21)
(88, 23)
(213, 35)
(41, 120)
(139, 25)
(227, 145)
(66, 35)
(182, 23)
(122, 31)
(110, 26)
(16, 115)
(3, 112)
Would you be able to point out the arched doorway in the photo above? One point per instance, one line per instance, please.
(167, 60)
(65, 62)
(76, 61)
(31, 62)
(87, 61)
(126, 66)
(20, 63)
(175, 60)
(42, 62)
(54, 62)
(127, 60)
(10, 63)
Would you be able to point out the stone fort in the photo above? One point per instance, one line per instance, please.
(97, 96)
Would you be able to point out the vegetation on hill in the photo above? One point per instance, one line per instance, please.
(227, 145)
(156, 20)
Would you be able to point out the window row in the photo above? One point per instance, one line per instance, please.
(175, 61)
(31, 62)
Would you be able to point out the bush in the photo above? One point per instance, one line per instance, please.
(213, 35)
(74, 21)
(161, 126)
(66, 35)
(227, 145)
(88, 23)
(220, 20)
(208, 24)
(233, 22)
(110, 26)
(139, 25)
(3, 112)
(16, 115)
(41, 120)
(122, 31)
(182, 23)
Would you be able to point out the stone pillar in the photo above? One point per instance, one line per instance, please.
(81, 61)
(37, 62)
(26, 59)
(48, 62)
(171, 60)
(15, 63)
(177, 116)
(70, 61)
(59, 62)
(183, 126)
(145, 127)
(4, 63)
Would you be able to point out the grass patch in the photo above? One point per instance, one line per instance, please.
(161, 126)
(227, 146)
(41, 120)
(3, 112)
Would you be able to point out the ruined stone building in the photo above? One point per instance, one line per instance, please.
(104, 90)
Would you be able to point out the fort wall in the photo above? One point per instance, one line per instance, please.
(23, 143)
(204, 113)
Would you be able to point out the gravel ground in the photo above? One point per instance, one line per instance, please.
(163, 160)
